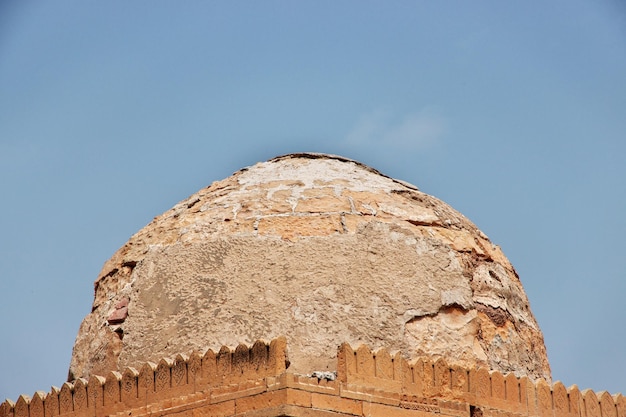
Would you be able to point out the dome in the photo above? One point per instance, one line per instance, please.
(320, 249)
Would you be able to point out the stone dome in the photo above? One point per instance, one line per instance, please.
(320, 249)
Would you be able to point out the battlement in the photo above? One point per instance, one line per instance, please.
(256, 378)
(175, 380)
(424, 379)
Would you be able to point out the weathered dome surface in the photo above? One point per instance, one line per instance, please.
(322, 250)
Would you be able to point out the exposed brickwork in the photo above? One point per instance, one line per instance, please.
(255, 381)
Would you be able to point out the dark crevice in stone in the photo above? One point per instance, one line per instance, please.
(193, 203)
(420, 223)
(495, 276)
(475, 411)
(443, 309)
(119, 332)
(129, 264)
(498, 316)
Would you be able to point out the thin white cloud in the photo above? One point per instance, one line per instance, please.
(416, 131)
(368, 128)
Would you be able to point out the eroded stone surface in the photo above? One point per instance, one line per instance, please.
(320, 249)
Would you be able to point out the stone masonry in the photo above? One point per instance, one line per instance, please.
(256, 381)
(320, 249)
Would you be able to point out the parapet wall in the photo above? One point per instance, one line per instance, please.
(479, 388)
(256, 379)
(171, 379)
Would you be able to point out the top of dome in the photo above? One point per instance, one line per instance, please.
(323, 250)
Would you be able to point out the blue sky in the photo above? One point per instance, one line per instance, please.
(512, 112)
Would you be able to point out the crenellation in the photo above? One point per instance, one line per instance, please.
(66, 399)
(21, 406)
(80, 398)
(240, 361)
(36, 406)
(346, 362)
(209, 368)
(130, 387)
(400, 368)
(511, 389)
(7, 408)
(620, 405)
(607, 404)
(459, 381)
(528, 395)
(163, 375)
(383, 364)
(180, 377)
(191, 385)
(51, 404)
(575, 401)
(480, 382)
(145, 382)
(560, 400)
(259, 355)
(224, 365)
(498, 387)
(427, 370)
(417, 377)
(278, 361)
(194, 370)
(591, 404)
(372, 368)
(544, 398)
(442, 377)
(365, 365)
(95, 393)
(112, 391)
